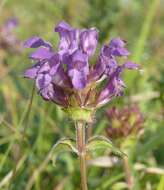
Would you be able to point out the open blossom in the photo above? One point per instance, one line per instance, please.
(66, 77)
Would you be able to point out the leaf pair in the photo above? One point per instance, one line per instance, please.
(93, 144)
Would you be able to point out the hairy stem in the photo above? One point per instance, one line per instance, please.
(129, 177)
(80, 134)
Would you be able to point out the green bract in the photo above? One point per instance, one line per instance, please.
(80, 114)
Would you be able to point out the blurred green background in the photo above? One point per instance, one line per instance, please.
(24, 160)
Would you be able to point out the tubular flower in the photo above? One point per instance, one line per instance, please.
(65, 76)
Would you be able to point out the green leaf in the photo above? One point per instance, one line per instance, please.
(63, 145)
(102, 143)
(119, 186)
(161, 183)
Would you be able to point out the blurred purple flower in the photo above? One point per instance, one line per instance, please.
(8, 39)
(11, 24)
(65, 76)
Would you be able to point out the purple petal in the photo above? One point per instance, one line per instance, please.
(47, 92)
(131, 65)
(44, 68)
(78, 79)
(32, 72)
(117, 42)
(80, 62)
(35, 42)
(98, 70)
(55, 94)
(115, 48)
(111, 66)
(120, 52)
(106, 64)
(61, 78)
(54, 64)
(43, 80)
(68, 37)
(62, 26)
(113, 88)
(88, 41)
(41, 54)
(78, 69)
(106, 51)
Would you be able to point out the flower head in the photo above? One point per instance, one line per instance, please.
(124, 122)
(66, 77)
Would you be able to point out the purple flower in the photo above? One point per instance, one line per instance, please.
(116, 47)
(35, 42)
(8, 40)
(114, 87)
(68, 37)
(88, 41)
(11, 24)
(42, 53)
(32, 72)
(78, 69)
(130, 65)
(65, 76)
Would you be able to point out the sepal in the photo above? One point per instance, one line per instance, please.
(80, 114)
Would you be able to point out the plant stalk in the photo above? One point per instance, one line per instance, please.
(80, 140)
(129, 177)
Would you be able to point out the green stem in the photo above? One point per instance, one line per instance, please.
(80, 134)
